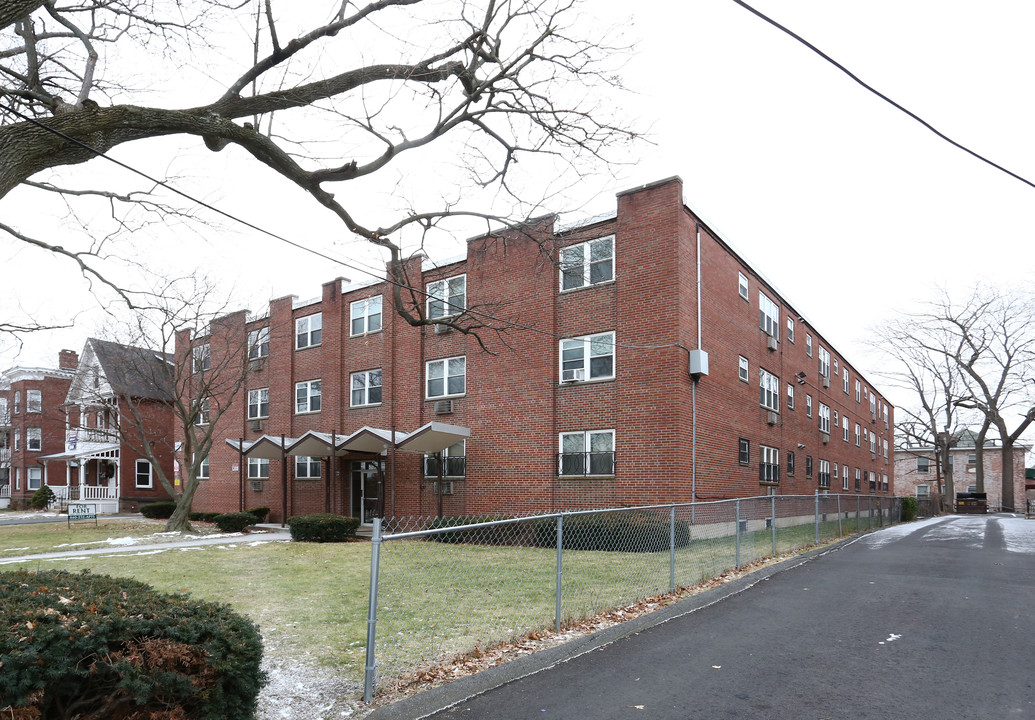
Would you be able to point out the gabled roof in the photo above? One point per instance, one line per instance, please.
(131, 371)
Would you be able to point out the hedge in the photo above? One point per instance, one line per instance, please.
(83, 645)
(234, 522)
(260, 513)
(615, 532)
(495, 535)
(910, 508)
(158, 510)
(322, 528)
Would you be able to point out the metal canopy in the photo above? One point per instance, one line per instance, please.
(311, 444)
(267, 447)
(434, 437)
(369, 440)
(430, 438)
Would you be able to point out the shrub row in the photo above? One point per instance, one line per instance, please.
(497, 535)
(615, 532)
(322, 528)
(91, 645)
(163, 510)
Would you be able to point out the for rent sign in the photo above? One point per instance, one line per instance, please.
(81, 511)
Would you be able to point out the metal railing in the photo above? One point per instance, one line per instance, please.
(447, 587)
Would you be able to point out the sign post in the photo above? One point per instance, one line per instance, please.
(82, 511)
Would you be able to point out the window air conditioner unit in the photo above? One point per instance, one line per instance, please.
(445, 487)
(771, 343)
(256, 485)
(825, 437)
(256, 364)
(443, 407)
(441, 329)
(826, 381)
(873, 456)
(575, 375)
(256, 425)
(873, 417)
(772, 417)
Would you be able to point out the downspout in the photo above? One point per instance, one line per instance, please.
(693, 388)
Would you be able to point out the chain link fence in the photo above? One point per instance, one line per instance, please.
(446, 587)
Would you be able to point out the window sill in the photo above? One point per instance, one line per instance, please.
(260, 417)
(368, 405)
(586, 477)
(307, 347)
(367, 334)
(307, 412)
(444, 397)
(591, 381)
(567, 291)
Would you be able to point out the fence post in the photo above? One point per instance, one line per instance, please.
(840, 530)
(560, 569)
(672, 549)
(375, 569)
(817, 517)
(738, 534)
(869, 512)
(772, 520)
(858, 513)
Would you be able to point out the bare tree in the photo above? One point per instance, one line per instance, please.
(329, 104)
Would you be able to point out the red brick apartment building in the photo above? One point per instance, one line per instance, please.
(631, 360)
(32, 424)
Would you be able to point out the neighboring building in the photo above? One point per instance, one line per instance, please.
(628, 370)
(95, 463)
(31, 425)
(919, 475)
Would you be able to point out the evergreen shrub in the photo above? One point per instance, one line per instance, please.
(42, 498)
(158, 510)
(260, 513)
(322, 527)
(496, 535)
(234, 522)
(614, 532)
(910, 508)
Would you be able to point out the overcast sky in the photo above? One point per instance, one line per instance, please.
(849, 207)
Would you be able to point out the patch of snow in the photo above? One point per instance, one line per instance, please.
(879, 539)
(15, 549)
(1018, 534)
(300, 689)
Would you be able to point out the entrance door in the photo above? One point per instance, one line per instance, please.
(364, 490)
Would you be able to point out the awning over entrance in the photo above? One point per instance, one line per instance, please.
(86, 451)
(370, 440)
(430, 438)
(433, 437)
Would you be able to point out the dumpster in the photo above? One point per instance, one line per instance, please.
(972, 503)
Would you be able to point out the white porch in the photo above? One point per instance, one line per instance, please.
(91, 461)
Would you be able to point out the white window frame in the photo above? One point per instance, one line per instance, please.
(823, 479)
(768, 315)
(858, 391)
(447, 297)
(790, 329)
(449, 470)
(581, 268)
(312, 399)
(304, 466)
(204, 412)
(17, 439)
(873, 443)
(824, 362)
(365, 316)
(768, 464)
(587, 437)
(742, 285)
(17, 402)
(445, 370)
(845, 427)
(204, 469)
(884, 441)
(308, 331)
(824, 418)
(201, 357)
(790, 396)
(769, 390)
(845, 375)
(33, 401)
(365, 378)
(34, 439)
(808, 344)
(258, 468)
(808, 405)
(256, 399)
(927, 464)
(923, 490)
(259, 343)
(142, 468)
(590, 348)
(858, 435)
(844, 477)
(33, 478)
(744, 371)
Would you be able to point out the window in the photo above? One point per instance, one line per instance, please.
(33, 439)
(258, 468)
(844, 374)
(858, 391)
(885, 443)
(4, 416)
(742, 285)
(366, 316)
(768, 315)
(808, 466)
(203, 469)
(366, 388)
(34, 478)
(790, 462)
(202, 357)
(873, 443)
(453, 459)
(873, 481)
(446, 378)
(308, 331)
(858, 436)
(808, 406)
(201, 412)
(858, 485)
(923, 491)
(835, 418)
(808, 344)
(258, 403)
(885, 414)
(790, 329)
(587, 453)
(743, 372)
(923, 464)
(307, 468)
(873, 405)
(769, 390)
(17, 401)
(259, 343)
(17, 439)
(824, 418)
(33, 401)
(824, 474)
(844, 477)
(142, 473)
(769, 465)
(744, 451)
(824, 362)
(307, 397)
(447, 297)
(588, 263)
(835, 367)
(591, 357)
(844, 427)
(790, 396)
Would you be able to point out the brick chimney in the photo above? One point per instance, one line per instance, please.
(68, 360)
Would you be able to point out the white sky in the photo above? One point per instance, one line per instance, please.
(848, 206)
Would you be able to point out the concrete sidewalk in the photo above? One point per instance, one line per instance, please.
(130, 546)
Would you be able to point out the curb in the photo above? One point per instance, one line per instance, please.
(457, 691)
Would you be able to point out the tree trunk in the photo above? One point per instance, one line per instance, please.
(949, 496)
(179, 521)
(1008, 499)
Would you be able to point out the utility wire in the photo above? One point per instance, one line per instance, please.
(881, 95)
(299, 246)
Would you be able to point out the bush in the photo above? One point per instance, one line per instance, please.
(260, 513)
(910, 507)
(42, 498)
(234, 522)
(502, 535)
(95, 646)
(204, 516)
(615, 532)
(322, 528)
(158, 510)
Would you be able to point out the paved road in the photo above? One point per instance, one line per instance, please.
(926, 620)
